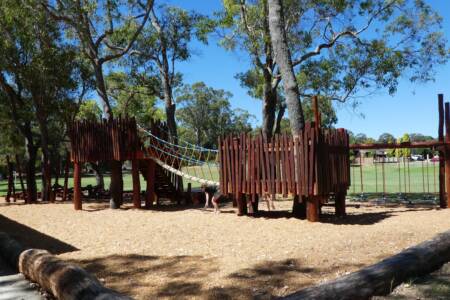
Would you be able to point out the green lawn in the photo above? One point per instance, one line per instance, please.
(205, 172)
(422, 179)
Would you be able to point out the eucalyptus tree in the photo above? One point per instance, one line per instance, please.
(205, 114)
(134, 95)
(372, 43)
(36, 73)
(339, 49)
(166, 41)
(105, 31)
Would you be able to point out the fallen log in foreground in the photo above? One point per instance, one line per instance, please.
(381, 278)
(64, 280)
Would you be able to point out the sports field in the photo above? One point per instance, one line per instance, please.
(415, 178)
(420, 178)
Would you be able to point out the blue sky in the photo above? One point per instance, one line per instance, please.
(412, 109)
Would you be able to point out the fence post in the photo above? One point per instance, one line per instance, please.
(136, 183)
(446, 200)
(339, 203)
(312, 208)
(77, 194)
(442, 200)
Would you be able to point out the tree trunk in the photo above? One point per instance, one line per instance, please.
(101, 89)
(284, 61)
(99, 179)
(31, 152)
(280, 115)
(19, 170)
(169, 106)
(269, 105)
(116, 187)
(57, 164)
(46, 167)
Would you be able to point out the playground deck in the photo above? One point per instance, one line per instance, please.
(193, 253)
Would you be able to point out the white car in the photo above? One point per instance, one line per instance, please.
(416, 157)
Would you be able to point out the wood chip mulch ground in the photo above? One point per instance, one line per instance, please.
(193, 253)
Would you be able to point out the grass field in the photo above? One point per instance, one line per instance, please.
(417, 178)
(421, 179)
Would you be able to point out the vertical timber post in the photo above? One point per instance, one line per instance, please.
(442, 200)
(447, 155)
(77, 195)
(312, 208)
(189, 193)
(136, 183)
(150, 195)
(339, 203)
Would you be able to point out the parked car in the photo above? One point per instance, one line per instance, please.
(417, 157)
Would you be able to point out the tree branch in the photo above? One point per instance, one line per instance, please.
(125, 50)
(332, 42)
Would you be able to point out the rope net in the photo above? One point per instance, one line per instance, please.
(194, 163)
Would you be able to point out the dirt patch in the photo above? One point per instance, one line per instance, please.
(192, 253)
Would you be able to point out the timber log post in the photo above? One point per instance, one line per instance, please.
(136, 183)
(383, 277)
(442, 154)
(447, 155)
(77, 194)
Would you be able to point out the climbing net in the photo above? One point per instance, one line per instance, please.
(193, 162)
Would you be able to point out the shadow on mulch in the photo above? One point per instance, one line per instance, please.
(31, 238)
(364, 218)
(152, 277)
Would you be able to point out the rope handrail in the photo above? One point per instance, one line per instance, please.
(198, 148)
(185, 175)
(181, 157)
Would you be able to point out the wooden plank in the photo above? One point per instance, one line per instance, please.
(262, 153)
(292, 165)
(277, 164)
(283, 167)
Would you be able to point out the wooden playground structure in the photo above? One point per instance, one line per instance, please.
(312, 168)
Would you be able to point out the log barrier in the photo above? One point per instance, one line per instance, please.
(63, 280)
(381, 278)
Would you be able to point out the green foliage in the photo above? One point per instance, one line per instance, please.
(365, 46)
(403, 152)
(134, 96)
(205, 114)
(387, 138)
(89, 110)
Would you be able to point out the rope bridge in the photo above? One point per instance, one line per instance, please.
(192, 162)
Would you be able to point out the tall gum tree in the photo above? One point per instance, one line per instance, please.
(165, 42)
(371, 44)
(37, 72)
(105, 31)
(343, 50)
